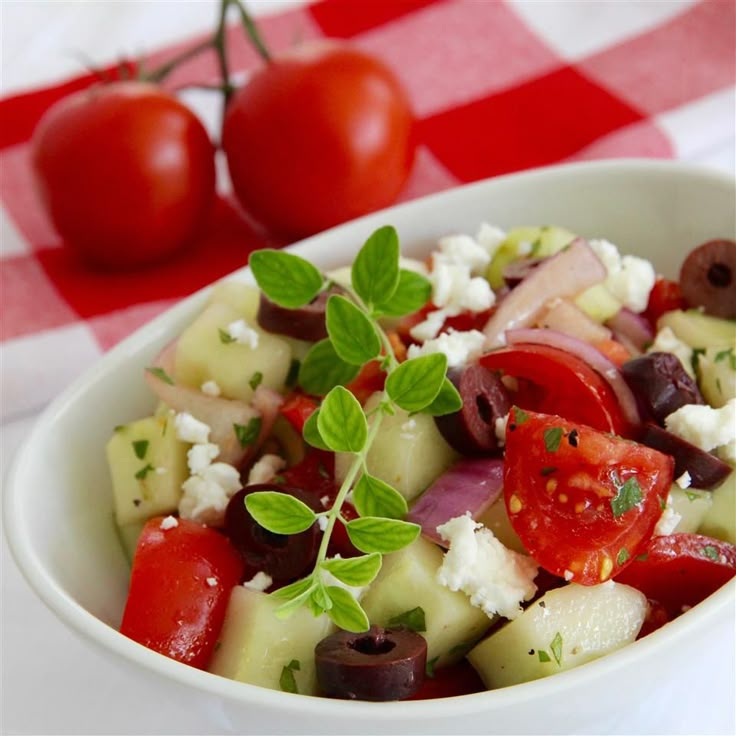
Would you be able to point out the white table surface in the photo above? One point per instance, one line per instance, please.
(51, 682)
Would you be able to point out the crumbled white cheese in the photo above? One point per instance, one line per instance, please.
(490, 237)
(684, 481)
(242, 333)
(211, 388)
(266, 469)
(665, 341)
(464, 250)
(456, 290)
(568, 575)
(211, 581)
(630, 278)
(322, 522)
(668, 521)
(207, 494)
(500, 429)
(201, 456)
(325, 501)
(430, 327)
(260, 582)
(706, 427)
(497, 579)
(170, 522)
(189, 429)
(459, 347)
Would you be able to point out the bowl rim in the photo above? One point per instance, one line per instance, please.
(100, 634)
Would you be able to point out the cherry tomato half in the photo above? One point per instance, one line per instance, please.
(556, 382)
(665, 296)
(318, 136)
(179, 589)
(583, 503)
(125, 171)
(680, 570)
(450, 681)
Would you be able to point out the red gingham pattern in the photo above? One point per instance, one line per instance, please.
(492, 95)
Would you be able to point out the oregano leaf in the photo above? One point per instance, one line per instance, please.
(310, 432)
(415, 383)
(374, 497)
(286, 279)
(280, 513)
(352, 333)
(346, 611)
(374, 534)
(354, 571)
(375, 270)
(412, 293)
(447, 401)
(341, 421)
(322, 369)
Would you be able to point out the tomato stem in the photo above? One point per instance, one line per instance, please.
(251, 30)
(158, 75)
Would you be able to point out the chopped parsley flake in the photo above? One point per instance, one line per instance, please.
(543, 656)
(710, 552)
(429, 669)
(727, 354)
(140, 448)
(225, 337)
(642, 557)
(520, 415)
(413, 620)
(628, 494)
(623, 555)
(255, 380)
(548, 470)
(287, 681)
(248, 434)
(162, 375)
(556, 646)
(144, 471)
(552, 438)
(691, 496)
(695, 360)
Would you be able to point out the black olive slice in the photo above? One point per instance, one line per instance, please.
(472, 430)
(378, 664)
(708, 278)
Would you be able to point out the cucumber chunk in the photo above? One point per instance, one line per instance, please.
(565, 628)
(716, 374)
(720, 520)
(699, 330)
(692, 505)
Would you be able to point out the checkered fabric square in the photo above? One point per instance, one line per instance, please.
(497, 86)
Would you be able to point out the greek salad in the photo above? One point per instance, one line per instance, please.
(418, 479)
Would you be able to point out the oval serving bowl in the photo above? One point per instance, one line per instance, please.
(68, 551)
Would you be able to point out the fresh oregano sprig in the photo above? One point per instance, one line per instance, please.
(380, 287)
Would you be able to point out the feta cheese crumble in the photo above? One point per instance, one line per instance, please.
(706, 427)
(260, 582)
(210, 388)
(500, 428)
(495, 578)
(170, 522)
(266, 469)
(201, 456)
(243, 333)
(189, 429)
(668, 521)
(630, 278)
(459, 347)
(684, 481)
(212, 582)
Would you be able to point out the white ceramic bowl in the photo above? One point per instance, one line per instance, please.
(66, 547)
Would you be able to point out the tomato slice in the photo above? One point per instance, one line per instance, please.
(450, 681)
(561, 384)
(297, 408)
(584, 503)
(665, 296)
(680, 570)
(462, 322)
(179, 589)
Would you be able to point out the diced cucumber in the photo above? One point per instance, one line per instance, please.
(255, 646)
(692, 505)
(598, 303)
(496, 518)
(244, 298)
(700, 330)
(720, 521)
(407, 580)
(716, 373)
(205, 353)
(128, 535)
(408, 453)
(565, 628)
(147, 464)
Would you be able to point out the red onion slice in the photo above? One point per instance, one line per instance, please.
(566, 316)
(219, 414)
(631, 328)
(591, 355)
(472, 484)
(565, 274)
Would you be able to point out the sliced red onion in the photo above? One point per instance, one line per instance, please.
(566, 316)
(565, 274)
(631, 328)
(472, 484)
(220, 415)
(592, 356)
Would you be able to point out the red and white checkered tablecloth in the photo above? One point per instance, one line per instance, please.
(497, 86)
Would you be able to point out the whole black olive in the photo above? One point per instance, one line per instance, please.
(284, 557)
(708, 278)
(378, 664)
(306, 323)
(660, 384)
(472, 430)
(706, 471)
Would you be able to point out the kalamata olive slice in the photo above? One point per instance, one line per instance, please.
(378, 664)
(472, 430)
(306, 323)
(708, 278)
(661, 384)
(706, 470)
(284, 557)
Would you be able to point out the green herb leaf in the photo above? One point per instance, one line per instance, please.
(255, 380)
(346, 611)
(144, 471)
(710, 552)
(140, 448)
(280, 513)
(354, 571)
(623, 555)
(341, 421)
(225, 337)
(415, 383)
(323, 369)
(247, 434)
(729, 355)
(412, 293)
(520, 416)
(287, 681)
(373, 534)
(293, 375)
(628, 494)
(429, 667)
(556, 647)
(162, 375)
(294, 590)
(373, 497)
(552, 438)
(695, 358)
(447, 401)
(548, 470)
(285, 278)
(321, 598)
(543, 656)
(375, 271)
(310, 432)
(414, 620)
(353, 335)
